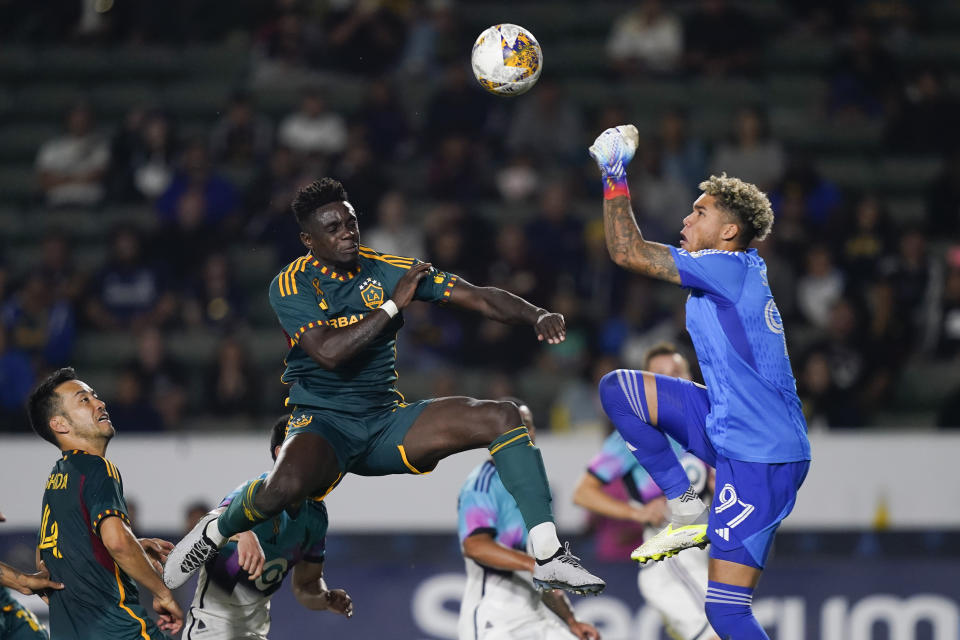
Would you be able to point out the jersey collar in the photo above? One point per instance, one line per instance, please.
(330, 273)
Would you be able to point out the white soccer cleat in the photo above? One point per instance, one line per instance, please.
(564, 571)
(671, 541)
(191, 553)
(614, 148)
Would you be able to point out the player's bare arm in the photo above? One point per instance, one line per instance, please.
(503, 306)
(329, 347)
(557, 601)
(126, 551)
(629, 249)
(487, 552)
(590, 495)
(310, 590)
(27, 583)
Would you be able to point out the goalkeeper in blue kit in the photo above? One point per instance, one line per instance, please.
(747, 421)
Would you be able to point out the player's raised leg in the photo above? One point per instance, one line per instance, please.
(451, 425)
(307, 466)
(646, 408)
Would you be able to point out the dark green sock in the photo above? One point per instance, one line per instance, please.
(520, 466)
(241, 515)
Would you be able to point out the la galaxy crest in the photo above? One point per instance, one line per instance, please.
(372, 293)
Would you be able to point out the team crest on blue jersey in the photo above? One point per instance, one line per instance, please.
(372, 293)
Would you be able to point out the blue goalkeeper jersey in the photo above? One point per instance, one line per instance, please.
(737, 332)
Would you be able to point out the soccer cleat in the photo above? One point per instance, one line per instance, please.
(671, 541)
(564, 571)
(191, 553)
(614, 148)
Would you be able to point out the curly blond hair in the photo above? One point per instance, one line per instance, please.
(745, 201)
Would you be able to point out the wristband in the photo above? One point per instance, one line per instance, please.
(390, 307)
(614, 186)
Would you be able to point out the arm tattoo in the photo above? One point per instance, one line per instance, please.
(627, 247)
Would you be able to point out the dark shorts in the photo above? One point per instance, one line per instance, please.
(16, 623)
(365, 444)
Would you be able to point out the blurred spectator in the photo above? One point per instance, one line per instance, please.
(269, 219)
(142, 156)
(59, 270)
(913, 281)
(364, 36)
(721, 40)
(924, 116)
(820, 286)
(577, 404)
(821, 198)
(683, 156)
(394, 233)
(285, 49)
(866, 237)
(314, 128)
(128, 291)
(130, 410)
(455, 170)
(363, 176)
(824, 404)
(433, 39)
(385, 121)
(517, 268)
(646, 38)
(662, 199)
(71, 168)
(39, 324)
(213, 299)
(518, 180)
(458, 241)
(864, 76)
(162, 378)
(752, 155)
(948, 314)
(555, 234)
(943, 201)
(17, 377)
(231, 386)
(189, 233)
(242, 136)
(192, 514)
(458, 107)
(537, 121)
(197, 177)
(601, 282)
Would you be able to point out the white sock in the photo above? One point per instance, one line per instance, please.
(212, 531)
(687, 509)
(543, 539)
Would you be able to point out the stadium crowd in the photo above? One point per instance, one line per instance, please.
(499, 191)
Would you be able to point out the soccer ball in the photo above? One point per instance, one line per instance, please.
(506, 60)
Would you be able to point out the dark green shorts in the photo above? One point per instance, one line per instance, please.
(367, 445)
(16, 623)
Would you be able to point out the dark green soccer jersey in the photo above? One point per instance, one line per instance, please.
(99, 600)
(16, 622)
(307, 294)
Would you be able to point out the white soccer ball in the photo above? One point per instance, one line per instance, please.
(506, 60)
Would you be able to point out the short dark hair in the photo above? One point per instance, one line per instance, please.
(315, 195)
(660, 349)
(44, 403)
(278, 433)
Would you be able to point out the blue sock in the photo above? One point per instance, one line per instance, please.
(624, 401)
(728, 610)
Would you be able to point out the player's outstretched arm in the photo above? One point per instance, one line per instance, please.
(613, 149)
(311, 590)
(590, 495)
(503, 306)
(27, 583)
(329, 346)
(482, 548)
(130, 556)
(557, 601)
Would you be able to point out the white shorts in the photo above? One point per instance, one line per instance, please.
(505, 621)
(676, 588)
(201, 624)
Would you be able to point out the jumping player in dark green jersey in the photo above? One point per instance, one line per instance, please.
(339, 307)
(85, 538)
(16, 621)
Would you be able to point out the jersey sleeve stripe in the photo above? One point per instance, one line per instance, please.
(310, 325)
(143, 624)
